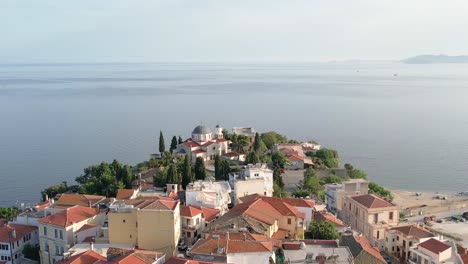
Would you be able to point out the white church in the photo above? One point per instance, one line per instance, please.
(205, 144)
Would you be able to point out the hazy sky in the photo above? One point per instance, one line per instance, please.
(234, 30)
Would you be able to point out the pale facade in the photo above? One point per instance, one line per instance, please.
(192, 223)
(435, 251)
(57, 232)
(148, 224)
(400, 239)
(334, 193)
(13, 238)
(209, 193)
(252, 179)
(370, 215)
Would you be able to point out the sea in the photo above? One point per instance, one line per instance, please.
(405, 125)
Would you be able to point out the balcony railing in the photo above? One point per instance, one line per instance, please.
(190, 227)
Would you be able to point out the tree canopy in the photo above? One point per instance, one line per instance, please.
(173, 144)
(200, 170)
(271, 138)
(162, 146)
(279, 160)
(374, 188)
(252, 158)
(8, 212)
(187, 175)
(322, 230)
(328, 156)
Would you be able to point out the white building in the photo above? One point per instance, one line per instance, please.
(209, 193)
(205, 144)
(251, 179)
(435, 251)
(13, 238)
(334, 193)
(58, 232)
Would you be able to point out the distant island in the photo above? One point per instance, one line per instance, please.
(426, 59)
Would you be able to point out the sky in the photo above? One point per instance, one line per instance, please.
(53, 31)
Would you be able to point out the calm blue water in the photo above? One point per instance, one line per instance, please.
(408, 131)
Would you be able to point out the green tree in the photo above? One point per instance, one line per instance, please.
(8, 212)
(332, 178)
(279, 160)
(322, 230)
(160, 179)
(328, 156)
(374, 188)
(277, 178)
(180, 140)
(218, 168)
(271, 138)
(278, 191)
(31, 252)
(117, 169)
(300, 193)
(239, 143)
(226, 134)
(187, 175)
(162, 146)
(127, 176)
(200, 171)
(53, 190)
(173, 174)
(354, 173)
(225, 169)
(257, 144)
(252, 158)
(173, 144)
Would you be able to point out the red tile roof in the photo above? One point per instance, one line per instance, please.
(125, 193)
(198, 151)
(293, 157)
(286, 206)
(87, 257)
(368, 248)
(6, 232)
(320, 217)
(372, 201)
(434, 245)
(189, 211)
(210, 246)
(414, 231)
(175, 260)
(79, 199)
(86, 227)
(209, 214)
(69, 216)
(190, 144)
(42, 205)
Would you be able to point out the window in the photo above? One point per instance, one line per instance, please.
(289, 221)
(398, 238)
(393, 249)
(123, 221)
(376, 218)
(56, 233)
(45, 230)
(61, 234)
(188, 234)
(198, 221)
(378, 234)
(410, 243)
(390, 215)
(350, 207)
(17, 243)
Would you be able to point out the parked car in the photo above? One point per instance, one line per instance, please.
(182, 245)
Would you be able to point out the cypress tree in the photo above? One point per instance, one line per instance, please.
(172, 174)
(218, 168)
(162, 147)
(180, 140)
(173, 144)
(200, 171)
(256, 145)
(187, 175)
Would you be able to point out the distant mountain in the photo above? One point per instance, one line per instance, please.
(425, 59)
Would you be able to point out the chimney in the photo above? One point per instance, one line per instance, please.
(89, 204)
(244, 236)
(227, 235)
(91, 245)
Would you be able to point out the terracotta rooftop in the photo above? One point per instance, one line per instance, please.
(189, 211)
(209, 214)
(175, 260)
(86, 227)
(294, 157)
(20, 230)
(414, 231)
(154, 202)
(296, 202)
(79, 199)
(372, 201)
(69, 216)
(42, 205)
(125, 193)
(198, 151)
(325, 216)
(368, 248)
(434, 245)
(210, 246)
(190, 144)
(87, 257)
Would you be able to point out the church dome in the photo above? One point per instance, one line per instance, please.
(201, 130)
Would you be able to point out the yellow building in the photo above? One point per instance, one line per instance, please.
(370, 215)
(148, 224)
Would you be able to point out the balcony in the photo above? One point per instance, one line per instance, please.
(191, 227)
